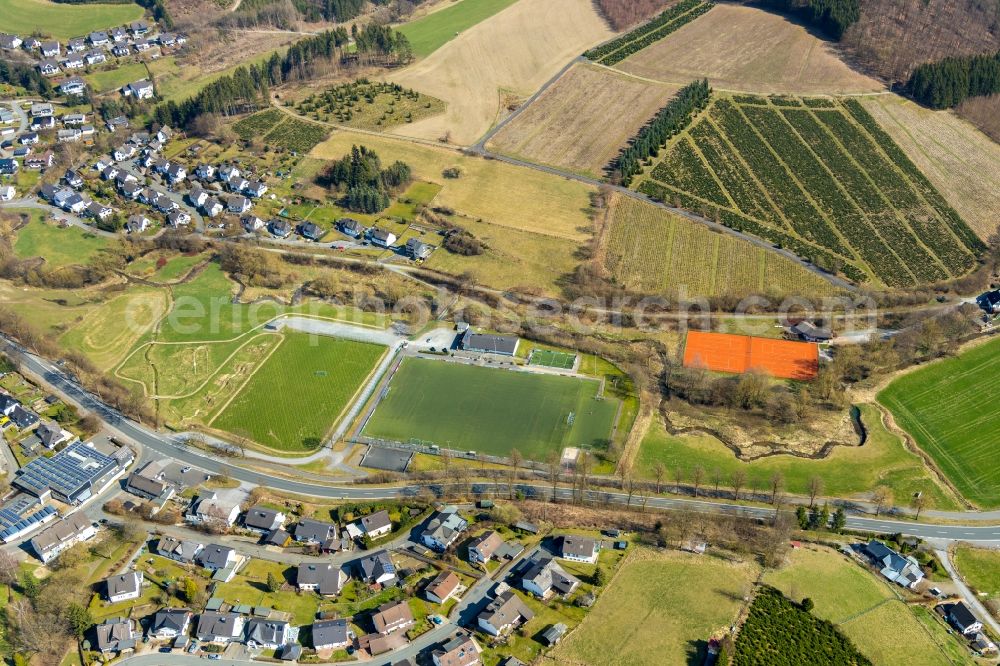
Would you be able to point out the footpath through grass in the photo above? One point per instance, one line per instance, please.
(949, 408)
(61, 21)
(846, 472)
(489, 410)
(296, 396)
(433, 31)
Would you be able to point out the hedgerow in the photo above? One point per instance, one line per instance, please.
(655, 36)
(660, 21)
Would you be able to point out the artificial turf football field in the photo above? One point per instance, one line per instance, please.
(491, 411)
(949, 408)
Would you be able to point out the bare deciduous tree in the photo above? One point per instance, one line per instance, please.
(738, 479)
(815, 488)
(882, 499)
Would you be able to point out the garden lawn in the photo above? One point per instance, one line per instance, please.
(657, 610)
(863, 607)
(846, 471)
(948, 408)
(980, 567)
(431, 32)
(250, 587)
(61, 21)
(489, 410)
(118, 76)
(300, 391)
(58, 246)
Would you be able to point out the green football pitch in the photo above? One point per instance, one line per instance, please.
(552, 359)
(473, 408)
(949, 407)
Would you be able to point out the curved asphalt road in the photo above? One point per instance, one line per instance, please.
(168, 447)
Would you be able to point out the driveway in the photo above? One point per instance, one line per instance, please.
(970, 599)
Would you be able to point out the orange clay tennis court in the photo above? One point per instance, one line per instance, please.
(724, 352)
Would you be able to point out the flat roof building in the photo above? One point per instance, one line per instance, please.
(70, 476)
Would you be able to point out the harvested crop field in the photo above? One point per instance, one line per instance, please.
(724, 352)
(584, 120)
(650, 250)
(509, 54)
(744, 48)
(956, 157)
(498, 193)
(647, 617)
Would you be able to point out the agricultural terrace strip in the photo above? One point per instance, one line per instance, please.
(669, 21)
(474, 408)
(429, 33)
(820, 178)
(301, 390)
(369, 105)
(863, 607)
(947, 407)
(651, 251)
(62, 21)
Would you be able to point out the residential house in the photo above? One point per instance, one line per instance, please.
(178, 218)
(237, 184)
(377, 569)
(182, 551)
(130, 189)
(176, 172)
(165, 204)
(444, 529)
(279, 228)
(215, 557)
(167, 39)
(210, 509)
(42, 123)
(99, 211)
(73, 179)
(50, 49)
(215, 627)
(28, 139)
(123, 152)
(164, 134)
(484, 546)
(376, 525)
(74, 119)
(62, 535)
(332, 635)
(267, 634)
(31, 43)
(212, 207)
(120, 51)
(170, 623)
(7, 404)
(76, 45)
(314, 531)
(904, 571)
(350, 227)
(48, 67)
(393, 616)
(123, 586)
(9, 41)
(138, 28)
(8, 166)
(461, 650)
(139, 89)
(443, 587)
(503, 614)
(109, 172)
(96, 58)
(99, 38)
(24, 419)
(251, 223)
(311, 231)
(147, 488)
(7, 192)
(74, 61)
(256, 189)
(197, 196)
(278, 537)
(238, 204)
(119, 35)
(417, 249)
(227, 172)
(43, 161)
(137, 224)
(381, 237)
(577, 548)
(204, 171)
(115, 635)
(963, 619)
(543, 576)
(326, 579)
(117, 123)
(261, 519)
(52, 435)
(989, 301)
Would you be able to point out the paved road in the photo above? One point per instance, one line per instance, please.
(171, 448)
(33, 202)
(971, 599)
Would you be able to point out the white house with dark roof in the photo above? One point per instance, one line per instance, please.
(267, 634)
(963, 619)
(176, 549)
(332, 634)
(215, 627)
(460, 650)
(544, 577)
(377, 568)
(901, 570)
(503, 614)
(170, 623)
(314, 531)
(61, 536)
(376, 525)
(116, 635)
(444, 529)
(577, 548)
(123, 586)
(261, 519)
(142, 89)
(326, 579)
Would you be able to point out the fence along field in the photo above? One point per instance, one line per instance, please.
(948, 407)
(652, 251)
(823, 181)
(466, 407)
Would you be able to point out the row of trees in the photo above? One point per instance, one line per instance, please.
(671, 119)
(248, 87)
(949, 82)
(365, 185)
(833, 17)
